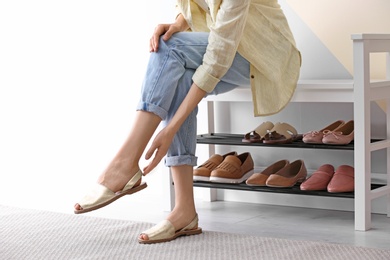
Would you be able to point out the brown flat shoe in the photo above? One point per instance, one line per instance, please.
(288, 176)
(259, 179)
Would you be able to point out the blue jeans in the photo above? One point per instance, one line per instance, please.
(167, 81)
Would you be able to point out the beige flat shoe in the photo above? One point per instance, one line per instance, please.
(165, 232)
(100, 196)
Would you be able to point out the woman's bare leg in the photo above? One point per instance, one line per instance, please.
(184, 210)
(125, 163)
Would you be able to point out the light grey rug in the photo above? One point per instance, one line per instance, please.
(33, 234)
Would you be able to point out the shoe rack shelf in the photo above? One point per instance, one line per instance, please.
(236, 139)
(360, 91)
(293, 190)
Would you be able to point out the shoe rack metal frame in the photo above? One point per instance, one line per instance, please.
(360, 91)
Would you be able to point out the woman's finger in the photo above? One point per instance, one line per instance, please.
(155, 161)
(154, 41)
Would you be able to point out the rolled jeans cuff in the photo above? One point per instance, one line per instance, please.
(181, 160)
(149, 107)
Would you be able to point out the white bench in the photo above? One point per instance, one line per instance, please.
(360, 91)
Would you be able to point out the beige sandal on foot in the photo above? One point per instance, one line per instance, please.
(165, 232)
(100, 196)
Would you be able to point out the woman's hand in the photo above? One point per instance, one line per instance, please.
(166, 30)
(164, 138)
(159, 148)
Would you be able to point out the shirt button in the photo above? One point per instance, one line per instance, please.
(252, 76)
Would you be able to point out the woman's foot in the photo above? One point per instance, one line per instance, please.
(179, 219)
(115, 177)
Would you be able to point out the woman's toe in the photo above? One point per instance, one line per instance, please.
(143, 237)
(77, 207)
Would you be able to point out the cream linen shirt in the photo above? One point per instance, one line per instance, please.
(259, 31)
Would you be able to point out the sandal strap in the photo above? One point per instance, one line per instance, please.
(132, 181)
(285, 129)
(260, 130)
(263, 128)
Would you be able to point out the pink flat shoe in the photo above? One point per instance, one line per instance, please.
(343, 180)
(320, 179)
(315, 137)
(341, 135)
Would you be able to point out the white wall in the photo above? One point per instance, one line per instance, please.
(70, 75)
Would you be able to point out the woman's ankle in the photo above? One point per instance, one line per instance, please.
(181, 218)
(117, 174)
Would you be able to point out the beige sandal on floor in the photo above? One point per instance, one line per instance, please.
(165, 231)
(100, 196)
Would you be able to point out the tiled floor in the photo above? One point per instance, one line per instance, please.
(263, 220)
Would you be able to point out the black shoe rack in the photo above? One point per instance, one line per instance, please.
(236, 139)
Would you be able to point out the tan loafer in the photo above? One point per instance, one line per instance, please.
(234, 169)
(203, 172)
(165, 231)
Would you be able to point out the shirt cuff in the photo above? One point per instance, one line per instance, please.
(204, 80)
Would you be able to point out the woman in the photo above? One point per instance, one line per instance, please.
(212, 47)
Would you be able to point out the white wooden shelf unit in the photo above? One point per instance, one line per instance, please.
(360, 91)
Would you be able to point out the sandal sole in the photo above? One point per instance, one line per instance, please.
(178, 234)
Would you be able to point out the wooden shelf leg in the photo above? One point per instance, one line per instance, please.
(362, 154)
